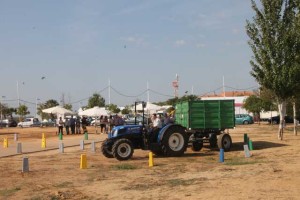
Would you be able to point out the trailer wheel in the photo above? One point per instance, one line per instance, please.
(106, 149)
(213, 141)
(224, 142)
(175, 141)
(122, 149)
(197, 146)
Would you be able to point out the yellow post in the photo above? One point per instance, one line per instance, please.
(43, 142)
(43, 135)
(150, 159)
(83, 162)
(5, 143)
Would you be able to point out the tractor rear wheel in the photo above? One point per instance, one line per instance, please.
(106, 149)
(122, 149)
(224, 141)
(175, 141)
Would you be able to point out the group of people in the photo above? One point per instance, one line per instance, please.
(73, 124)
(107, 123)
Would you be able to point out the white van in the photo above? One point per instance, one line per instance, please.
(29, 122)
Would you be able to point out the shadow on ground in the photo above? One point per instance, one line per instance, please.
(257, 145)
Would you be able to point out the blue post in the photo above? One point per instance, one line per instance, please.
(221, 155)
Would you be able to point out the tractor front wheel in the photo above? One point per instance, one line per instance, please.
(106, 148)
(122, 149)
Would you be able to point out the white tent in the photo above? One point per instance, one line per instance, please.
(57, 110)
(94, 112)
(150, 107)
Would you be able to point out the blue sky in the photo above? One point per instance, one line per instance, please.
(78, 46)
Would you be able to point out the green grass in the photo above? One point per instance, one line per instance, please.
(9, 192)
(180, 182)
(124, 167)
(240, 161)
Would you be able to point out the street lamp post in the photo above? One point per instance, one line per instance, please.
(36, 106)
(2, 97)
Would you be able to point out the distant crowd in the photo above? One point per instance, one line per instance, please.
(78, 126)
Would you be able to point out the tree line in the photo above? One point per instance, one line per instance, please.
(95, 100)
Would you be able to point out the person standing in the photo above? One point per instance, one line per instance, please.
(105, 121)
(84, 124)
(60, 125)
(77, 124)
(110, 123)
(102, 124)
(72, 124)
(67, 126)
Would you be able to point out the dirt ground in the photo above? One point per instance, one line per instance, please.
(272, 172)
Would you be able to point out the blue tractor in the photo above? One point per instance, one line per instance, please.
(171, 140)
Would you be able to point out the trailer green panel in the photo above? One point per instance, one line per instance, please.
(206, 114)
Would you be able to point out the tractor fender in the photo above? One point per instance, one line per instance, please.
(164, 129)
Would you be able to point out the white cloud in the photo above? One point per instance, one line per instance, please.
(180, 43)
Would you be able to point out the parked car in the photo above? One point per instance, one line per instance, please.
(243, 119)
(30, 122)
(95, 122)
(276, 119)
(8, 123)
(48, 123)
(139, 120)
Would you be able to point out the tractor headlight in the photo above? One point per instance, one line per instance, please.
(114, 133)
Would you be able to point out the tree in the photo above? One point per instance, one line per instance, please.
(274, 40)
(48, 104)
(7, 111)
(68, 106)
(22, 111)
(253, 104)
(96, 100)
(267, 97)
(126, 110)
(113, 108)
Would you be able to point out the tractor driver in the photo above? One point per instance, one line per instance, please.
(156, 126)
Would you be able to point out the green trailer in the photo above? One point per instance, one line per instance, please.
(206, 121)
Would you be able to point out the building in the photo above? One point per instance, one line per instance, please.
(238, 96)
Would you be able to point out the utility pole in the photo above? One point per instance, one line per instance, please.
(36, 106)
(2, 97)
(148, 94)
(224, 87)
(108, 91)
(175, 85)
(18, 94)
